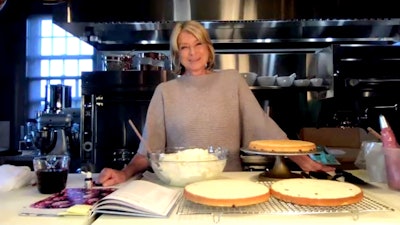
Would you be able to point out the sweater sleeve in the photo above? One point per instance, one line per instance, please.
(256, 124)
(154, 129)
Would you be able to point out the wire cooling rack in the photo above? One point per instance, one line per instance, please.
(276, 206)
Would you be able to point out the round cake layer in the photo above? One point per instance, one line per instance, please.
(290, 146)
(314, 192)
(226, 192)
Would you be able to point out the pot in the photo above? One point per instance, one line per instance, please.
(118, 62)
(148, 61)
(154, 61)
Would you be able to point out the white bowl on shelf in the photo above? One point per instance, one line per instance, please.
(302, 82)
(250, 77)
(316, 82)
(266, 81)
(286, 81)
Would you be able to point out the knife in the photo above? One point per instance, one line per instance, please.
(320, 175)
(348, 177)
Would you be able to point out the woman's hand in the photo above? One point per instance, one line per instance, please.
(307, 164)
(109, 177)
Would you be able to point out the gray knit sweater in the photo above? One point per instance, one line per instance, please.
(216, 109)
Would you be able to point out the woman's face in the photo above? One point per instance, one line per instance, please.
(193, 54)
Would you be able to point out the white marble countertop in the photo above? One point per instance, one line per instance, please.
(11, 203)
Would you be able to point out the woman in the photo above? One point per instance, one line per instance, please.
(202, 107)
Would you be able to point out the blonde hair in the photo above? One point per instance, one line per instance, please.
(196, 29)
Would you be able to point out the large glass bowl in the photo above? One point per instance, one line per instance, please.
(179, 166)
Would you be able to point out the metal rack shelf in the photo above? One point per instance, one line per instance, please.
(275, 206)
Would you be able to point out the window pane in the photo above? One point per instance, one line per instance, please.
(43, 84)
(59, 46)
(71, 67)
(55, 82)
(86, 49)
(85, 65)
(44, 68)
(46, 46)
(71, 83)
(56, 68)
(73, 46)
(36, 97)
(46, 28)
(79, 89)
(58, 31)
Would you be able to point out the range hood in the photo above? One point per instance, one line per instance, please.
(233, 24)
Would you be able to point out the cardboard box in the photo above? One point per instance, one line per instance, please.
(335, 137)
(345, 140)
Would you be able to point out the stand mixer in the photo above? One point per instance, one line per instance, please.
(51, 136)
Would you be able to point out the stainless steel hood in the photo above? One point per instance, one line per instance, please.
(233, 24)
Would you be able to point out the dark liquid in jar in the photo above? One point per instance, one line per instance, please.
(51, 180)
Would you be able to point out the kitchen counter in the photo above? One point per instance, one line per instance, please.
(378, 191)
(14, 200)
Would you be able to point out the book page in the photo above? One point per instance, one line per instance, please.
(140, 195)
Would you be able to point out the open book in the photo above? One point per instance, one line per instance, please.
(138, 198)
(68, 202)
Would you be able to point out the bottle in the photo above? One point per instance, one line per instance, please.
(88, 180)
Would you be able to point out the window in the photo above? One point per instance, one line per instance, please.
(54, 56)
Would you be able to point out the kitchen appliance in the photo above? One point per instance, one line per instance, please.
(58, 97)
(51, 136)
(57, 130)
(109, 100)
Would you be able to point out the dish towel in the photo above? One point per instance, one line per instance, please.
(14, 177)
